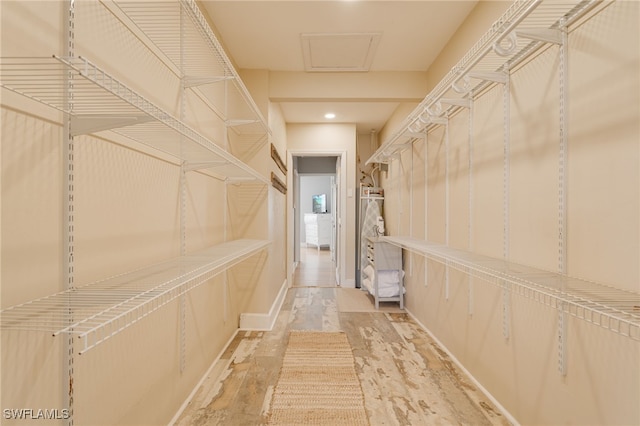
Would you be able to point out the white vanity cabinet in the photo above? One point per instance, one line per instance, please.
(317, 228)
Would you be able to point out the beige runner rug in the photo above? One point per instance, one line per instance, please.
(318, 384)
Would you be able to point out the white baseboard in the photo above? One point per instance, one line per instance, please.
(250, 321)
(482, 389)
(195, 389)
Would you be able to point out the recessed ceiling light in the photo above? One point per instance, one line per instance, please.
(329, 115)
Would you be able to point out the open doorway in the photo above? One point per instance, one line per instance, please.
(315, 234)
(316, 228)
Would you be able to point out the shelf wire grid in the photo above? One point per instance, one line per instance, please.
(522, 15)
(193, 48)
(100, 98)
(100, 310)
(613, 309)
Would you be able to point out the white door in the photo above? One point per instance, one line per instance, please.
(337, 219)
(296, 214)
(332, 246)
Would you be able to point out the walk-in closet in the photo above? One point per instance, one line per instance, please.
(475, 259)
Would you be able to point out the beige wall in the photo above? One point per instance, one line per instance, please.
(398, 86)
(602, 384)
(279, 129)
(256, 210)
(127, 207)
(395, 121)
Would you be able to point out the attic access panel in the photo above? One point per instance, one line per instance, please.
(342, 52)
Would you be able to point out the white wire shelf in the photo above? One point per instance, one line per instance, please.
(182, 33)
(524, 28)
(613, 309)
(100, 310)
(96, 101)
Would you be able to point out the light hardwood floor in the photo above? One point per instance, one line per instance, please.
(406, 378)
(315, 268)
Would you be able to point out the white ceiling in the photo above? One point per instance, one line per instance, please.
(271, 35)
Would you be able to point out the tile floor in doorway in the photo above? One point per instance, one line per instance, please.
(406, 378)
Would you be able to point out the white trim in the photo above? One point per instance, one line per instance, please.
(342, 219)
(316, 174)
(482, 389)
(264, 322)
(204, 377)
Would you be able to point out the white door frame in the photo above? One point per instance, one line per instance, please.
(341, 214)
